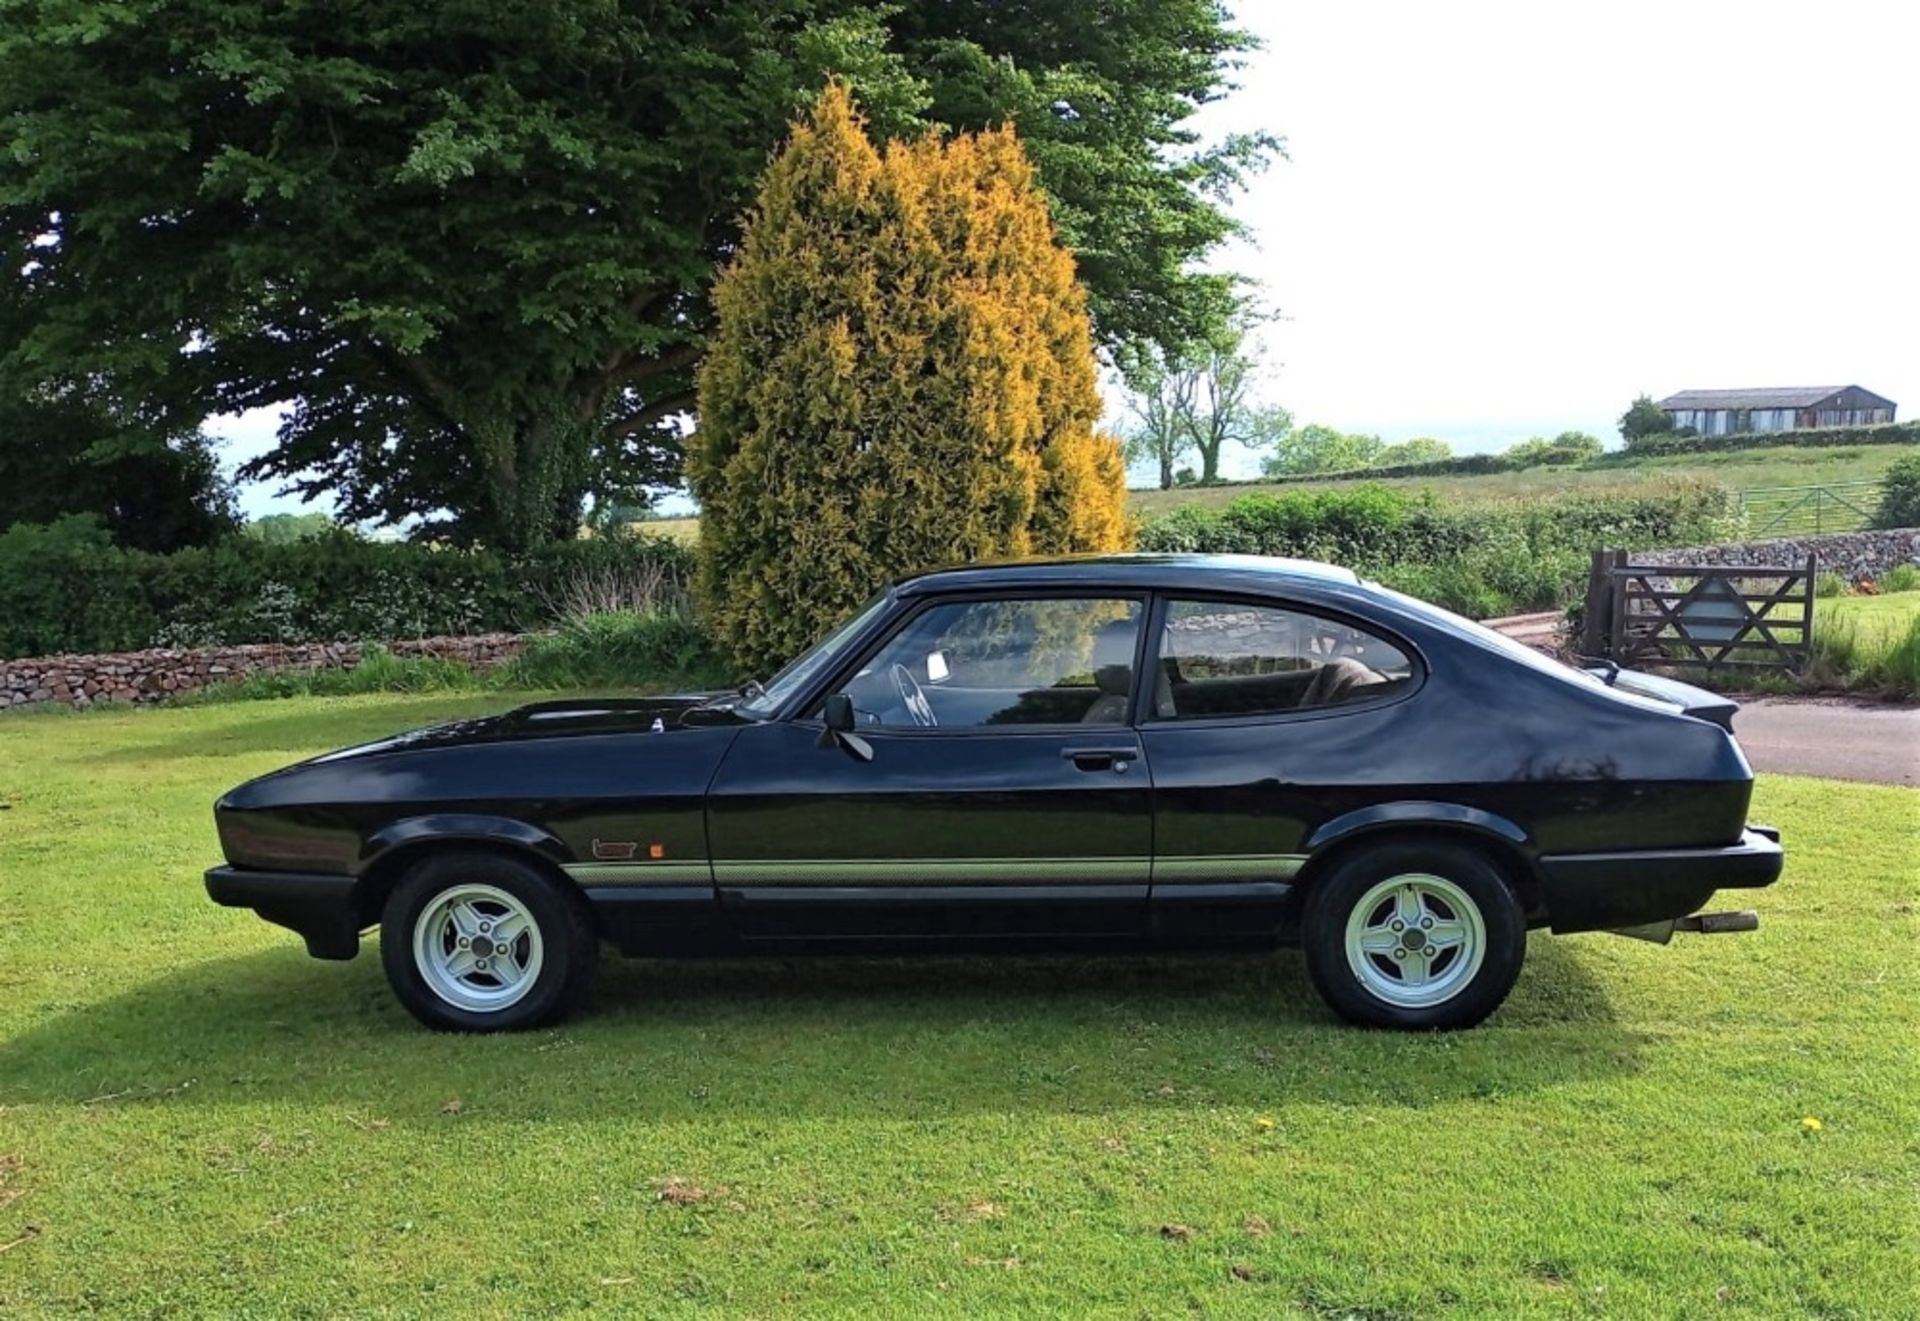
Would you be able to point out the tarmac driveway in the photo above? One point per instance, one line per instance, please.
(1838, 740)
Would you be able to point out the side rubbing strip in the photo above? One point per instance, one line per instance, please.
(645, 872)
(1227, 867)
(932, 871)
(945, 871)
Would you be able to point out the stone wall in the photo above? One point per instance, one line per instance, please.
(152, 676)
(1853, 555)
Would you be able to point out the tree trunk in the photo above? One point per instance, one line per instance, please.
(1209, 460)
(1166, 469)
(534, 468)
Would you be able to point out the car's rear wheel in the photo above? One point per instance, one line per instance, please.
(481, 942)
(1416, 934)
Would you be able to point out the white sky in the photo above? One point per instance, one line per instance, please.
(1507, 219)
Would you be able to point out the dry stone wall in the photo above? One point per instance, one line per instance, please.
(152, 676)
(1852, 555)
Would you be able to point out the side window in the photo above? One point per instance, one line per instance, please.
(1222, 659)
(1021, 662)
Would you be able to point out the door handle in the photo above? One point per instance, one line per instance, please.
(1100, 759)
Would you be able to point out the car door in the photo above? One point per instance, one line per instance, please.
(1006, 793)
(1264, 720)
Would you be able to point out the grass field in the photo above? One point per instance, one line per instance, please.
(1784, 465)
(1873, 617)
(196, 1119)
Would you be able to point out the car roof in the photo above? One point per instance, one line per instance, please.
(1195, 572)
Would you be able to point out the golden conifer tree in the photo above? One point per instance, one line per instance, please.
(901, 376)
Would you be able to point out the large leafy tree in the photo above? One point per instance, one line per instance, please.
(1201, 398)
(1643, 418)
(1316, 448)
(902, 376)
(471, 244)
(1223, 408)
(63, 453)
(150, 490)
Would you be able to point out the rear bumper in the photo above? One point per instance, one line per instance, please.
(319, 907)
(1601, 891)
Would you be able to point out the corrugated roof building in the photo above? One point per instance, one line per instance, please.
(1723, 412)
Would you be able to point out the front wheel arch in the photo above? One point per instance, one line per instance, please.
(383, 874)
(562, 930)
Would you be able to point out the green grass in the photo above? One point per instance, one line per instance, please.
(1740, 469)
(1868, 643)
(1883, 616)
(199, 1120)
(1785, 465)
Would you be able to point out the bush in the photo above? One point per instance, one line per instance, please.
(1900, 497)
(1901, 578)
(378, 671)
(1642, 419)
(1891, 433)
(901, 376)
(64, 587)
(1829, 584)
(1483, 559)
(618, 651)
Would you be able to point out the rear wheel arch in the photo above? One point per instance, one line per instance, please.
(1504, 853)
(1446, 881)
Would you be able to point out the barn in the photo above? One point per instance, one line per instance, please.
(1722, 412)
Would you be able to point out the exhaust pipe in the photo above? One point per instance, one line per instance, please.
(1704, 924)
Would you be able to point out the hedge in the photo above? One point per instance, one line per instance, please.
(65, 587)
(1480, 559)
(1890, 433)
(1481, 465)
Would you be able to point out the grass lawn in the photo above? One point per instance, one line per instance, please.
(197, 1119)
(1879, 617)
(1784, 465)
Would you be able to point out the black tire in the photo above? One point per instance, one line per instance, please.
(569, 947)
(1469, 994)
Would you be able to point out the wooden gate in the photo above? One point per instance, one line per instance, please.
(1712, 617)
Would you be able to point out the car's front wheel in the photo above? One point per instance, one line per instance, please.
(1416, 934)
(482, 942)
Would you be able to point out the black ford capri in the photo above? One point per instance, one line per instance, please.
(1113, 754)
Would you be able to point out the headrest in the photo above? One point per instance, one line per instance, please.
(1113, 656)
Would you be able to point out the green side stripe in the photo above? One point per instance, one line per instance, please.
(942, 871)
(930, 871)
(648, 872)
(1228, 867)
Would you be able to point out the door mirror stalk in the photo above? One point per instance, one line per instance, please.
(838, 725)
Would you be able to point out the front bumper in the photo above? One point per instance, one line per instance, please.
(1602, 891)
(319, 907)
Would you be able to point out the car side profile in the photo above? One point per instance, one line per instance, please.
(1103, 754)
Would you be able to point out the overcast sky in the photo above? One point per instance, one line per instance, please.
(1507, 219)
(1504, 219)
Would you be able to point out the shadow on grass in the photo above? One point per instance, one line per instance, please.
(909, 1039)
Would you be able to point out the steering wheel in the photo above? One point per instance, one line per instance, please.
(913, 698)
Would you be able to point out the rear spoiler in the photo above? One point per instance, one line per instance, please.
(1696, 702)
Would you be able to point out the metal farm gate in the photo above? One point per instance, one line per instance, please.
(1712, 617)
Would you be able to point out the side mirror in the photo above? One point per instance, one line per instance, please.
(838, 718)
(839, 713)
